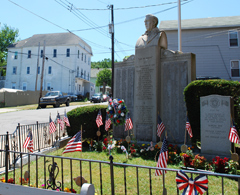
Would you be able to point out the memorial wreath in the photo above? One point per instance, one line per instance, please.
(117, 111)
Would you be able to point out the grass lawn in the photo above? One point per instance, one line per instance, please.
(230, 186)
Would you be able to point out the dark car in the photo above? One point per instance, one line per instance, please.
(73, 97)
(97, 97)
(207, 77)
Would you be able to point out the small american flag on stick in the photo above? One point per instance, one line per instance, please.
(162, 159)
(233, 134)
(189, 129)
(160, 127)
(107, 123)
(65, 119)
(99, 119)
(75, 144)
(59, 121)
(52, 127)
(29, 142)
(128, 122)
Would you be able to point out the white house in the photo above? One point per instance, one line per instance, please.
(67, 64)
(215, 41)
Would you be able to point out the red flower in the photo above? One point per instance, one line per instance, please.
(119, 111)
(104, 148)
(111, 116)
(120, 102)
(118, 121)
(107, 112)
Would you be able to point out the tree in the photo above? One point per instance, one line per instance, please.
(104, 78)
(106, 63)
(8, 36)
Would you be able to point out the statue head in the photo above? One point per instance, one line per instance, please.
(151, 22)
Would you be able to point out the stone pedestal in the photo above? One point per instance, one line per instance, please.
(146, 93)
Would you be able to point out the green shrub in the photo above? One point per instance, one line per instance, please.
(86, 116)
(199, 88)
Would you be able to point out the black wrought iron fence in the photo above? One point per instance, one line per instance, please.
(57, 173)
(42, 139)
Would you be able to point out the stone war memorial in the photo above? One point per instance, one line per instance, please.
(215, 114)
(152, 82)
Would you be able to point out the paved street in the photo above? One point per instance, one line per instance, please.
(9, 120)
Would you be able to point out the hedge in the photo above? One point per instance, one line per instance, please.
(199, 88)
(86, 116)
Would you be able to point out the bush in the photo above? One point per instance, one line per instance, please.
(86, 116)
(199, 88)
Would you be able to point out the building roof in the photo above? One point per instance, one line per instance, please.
(201, 23)
(53, 39)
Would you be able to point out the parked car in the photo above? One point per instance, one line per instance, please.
(105, 97)
(55, 98)
(97, 97)
(73, 97)
(207, 77)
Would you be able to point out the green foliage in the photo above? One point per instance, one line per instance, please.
(199, 88)
(104, 77)
(86, 116)
(106, 63)
(8, 36)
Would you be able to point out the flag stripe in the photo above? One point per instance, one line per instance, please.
(160, 127)
(233, 134)
(162, 159)
(75, 144)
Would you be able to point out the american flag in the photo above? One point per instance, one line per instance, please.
(59, 121)
(128, 122)
(29, 142)
(160, 127)
(75, 144)
(99, 119)
(65, 119)
(233, 134)
(188, 127)
(107, 123)
(52, 127)
(162, 159)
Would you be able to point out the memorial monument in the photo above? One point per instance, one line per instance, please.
(151, 82)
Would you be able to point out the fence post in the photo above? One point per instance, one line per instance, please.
(19, 135)
(111, 174)
(38, 138)
(6, 158)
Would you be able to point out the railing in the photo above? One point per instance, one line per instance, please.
(41, 138)
(61, 171)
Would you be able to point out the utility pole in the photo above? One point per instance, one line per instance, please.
(43, 60)
(111, 31)
(37, 66)
(179, 27)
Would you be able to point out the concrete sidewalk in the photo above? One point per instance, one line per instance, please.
(3, 110)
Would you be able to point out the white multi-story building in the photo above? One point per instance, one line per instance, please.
(67, 65)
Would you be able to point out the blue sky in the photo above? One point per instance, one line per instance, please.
(54, 16)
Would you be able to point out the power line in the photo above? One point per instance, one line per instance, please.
(126, 8)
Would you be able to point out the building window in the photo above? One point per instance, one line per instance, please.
(38, 69)
(78, 53)
(235, 69)
(68, 52)
(50, 70)
(24, 87)
(78, 71)
(88, 76)
(13, 85)
(41, 53)
(82, 56)
(85, 59)
(79, 88)
(81, 73)
(49, 86)
(28, 70)
(54, 53)
(29, 53)
(89, 61)
(14, 70)
(84, 74)
(16, 55)
(233, 38)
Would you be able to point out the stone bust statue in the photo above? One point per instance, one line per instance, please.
(153, 36)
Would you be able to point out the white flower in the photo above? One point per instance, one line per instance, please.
(115, 116)
(119, 107)
(109, 108)
(122, 114)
